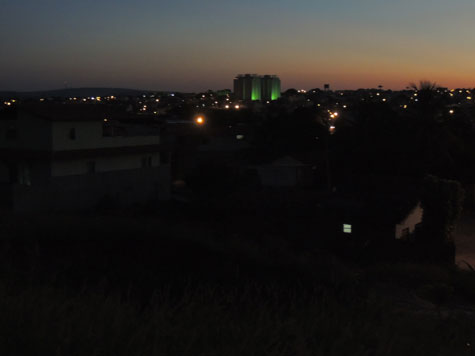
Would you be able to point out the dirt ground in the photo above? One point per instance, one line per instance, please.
(465, 240)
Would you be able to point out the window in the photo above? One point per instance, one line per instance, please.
(20, 173)
(91, 167)
(24, 174)
(147, 162)
(405, 233)
(347, 228)
(72, 134)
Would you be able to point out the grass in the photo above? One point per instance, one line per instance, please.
(208, 321)
(148, 286)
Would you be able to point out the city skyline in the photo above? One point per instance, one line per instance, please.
(188, 46)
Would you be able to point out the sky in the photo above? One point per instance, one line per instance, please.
(186, 45)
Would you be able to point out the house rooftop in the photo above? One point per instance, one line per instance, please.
(67, 112)
(76, 112)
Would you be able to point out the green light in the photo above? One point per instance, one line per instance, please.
(275, 94)
(256, 89)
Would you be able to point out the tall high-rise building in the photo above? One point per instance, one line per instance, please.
(270, 87)
(255, 87)
(248, 87)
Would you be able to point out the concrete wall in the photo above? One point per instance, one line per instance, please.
(89, 136)
(38, 134)
(37, 170)
(82, 192)
(32, 133)
(62, 168)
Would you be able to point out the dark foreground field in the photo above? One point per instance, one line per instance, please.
(121, 285)
(465, 240)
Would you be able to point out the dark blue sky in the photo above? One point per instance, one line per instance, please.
(196, 45)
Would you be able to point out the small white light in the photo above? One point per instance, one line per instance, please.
(347, 228)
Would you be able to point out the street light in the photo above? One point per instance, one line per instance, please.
(200, 120)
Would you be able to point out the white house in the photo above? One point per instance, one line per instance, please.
(285, 172)
(71, 156)
(407, 226)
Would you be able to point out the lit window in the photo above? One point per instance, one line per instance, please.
(347, 228)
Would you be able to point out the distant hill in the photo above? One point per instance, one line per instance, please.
(74, 92)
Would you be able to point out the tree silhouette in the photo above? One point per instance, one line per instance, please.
(424, 85)
(381, 139)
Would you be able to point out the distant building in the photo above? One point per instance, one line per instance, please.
(248, 87)
(253, 87)
(71, 157)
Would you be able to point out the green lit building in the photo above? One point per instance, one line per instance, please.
(253, 87)
(270, 85)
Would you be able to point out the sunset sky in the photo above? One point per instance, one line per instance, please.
(189, 45)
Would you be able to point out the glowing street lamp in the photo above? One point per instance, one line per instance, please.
(200, 120)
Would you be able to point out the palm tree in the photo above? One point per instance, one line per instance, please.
(429, 106)
(428, 126)
(424, 85)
